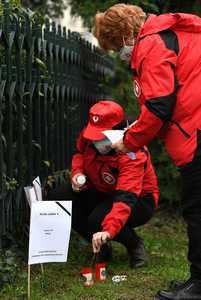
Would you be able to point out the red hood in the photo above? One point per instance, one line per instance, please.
(177, 21)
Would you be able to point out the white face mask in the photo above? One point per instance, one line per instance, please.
(103, 146)
(126, 52)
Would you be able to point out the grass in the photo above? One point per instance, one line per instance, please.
(166, 244)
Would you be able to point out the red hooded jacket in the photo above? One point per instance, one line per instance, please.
(127, 177)
(166, 65)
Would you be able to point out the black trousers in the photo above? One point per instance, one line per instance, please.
(191, 204)
(90, 208)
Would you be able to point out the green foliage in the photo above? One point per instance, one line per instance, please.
(13, 3)
(8, 267)
(197, 8)
(56, 179)
(11, 184)
(9, 263)
(87, 8)
(51, 8)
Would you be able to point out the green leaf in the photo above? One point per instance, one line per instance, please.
(41, 94)
(40, 63)
(47, 163)
(37, 145)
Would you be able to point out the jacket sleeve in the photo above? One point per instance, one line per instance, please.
(78, 160)
(158, 84)
(128, 189)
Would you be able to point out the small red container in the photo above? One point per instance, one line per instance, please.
(101, 271)
(87, 273)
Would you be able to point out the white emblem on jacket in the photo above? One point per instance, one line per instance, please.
(136, 88)
(95, 119)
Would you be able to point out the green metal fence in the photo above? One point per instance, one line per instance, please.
(49, 77)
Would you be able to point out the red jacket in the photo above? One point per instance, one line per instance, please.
(127, 179)
(166, 64)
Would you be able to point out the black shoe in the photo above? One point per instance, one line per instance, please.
(105, 253)
(137, 255)
(189, 290)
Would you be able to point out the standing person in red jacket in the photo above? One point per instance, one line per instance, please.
(121, 189)
(164, 53)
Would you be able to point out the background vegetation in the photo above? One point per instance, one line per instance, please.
(87, 8)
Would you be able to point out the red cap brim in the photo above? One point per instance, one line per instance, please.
(94, 133)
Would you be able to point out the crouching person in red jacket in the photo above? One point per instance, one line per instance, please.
(121, 189)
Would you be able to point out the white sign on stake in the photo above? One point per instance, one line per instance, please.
(37, 188)
(50, 228)
(30, 194)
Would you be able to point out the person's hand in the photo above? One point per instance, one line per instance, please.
(76, 186)
(120, 147)
(99, 238)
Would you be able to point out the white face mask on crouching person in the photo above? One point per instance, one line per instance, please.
(125, 52)
(103, 146)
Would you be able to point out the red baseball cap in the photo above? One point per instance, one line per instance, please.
(103, 115)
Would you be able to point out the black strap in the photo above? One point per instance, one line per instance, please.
(170, 39)
(62, 207)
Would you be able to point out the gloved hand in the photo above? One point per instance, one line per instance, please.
(99, 238)
(78, 182)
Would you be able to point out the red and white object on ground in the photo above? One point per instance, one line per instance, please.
(87, 273)
(101, 272)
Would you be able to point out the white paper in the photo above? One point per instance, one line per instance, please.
(50, 228)
(37, 188)
(26, 189)
(114, 135)
(30, 194)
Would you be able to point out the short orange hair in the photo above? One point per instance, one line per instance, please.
(120, 20)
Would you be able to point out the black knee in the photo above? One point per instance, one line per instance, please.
(94, 223)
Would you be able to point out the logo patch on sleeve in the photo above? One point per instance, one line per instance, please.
(95, 119)
(137, 88)
(131, 155)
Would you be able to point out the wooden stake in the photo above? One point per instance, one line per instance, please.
(42, 269)
(29, 282)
